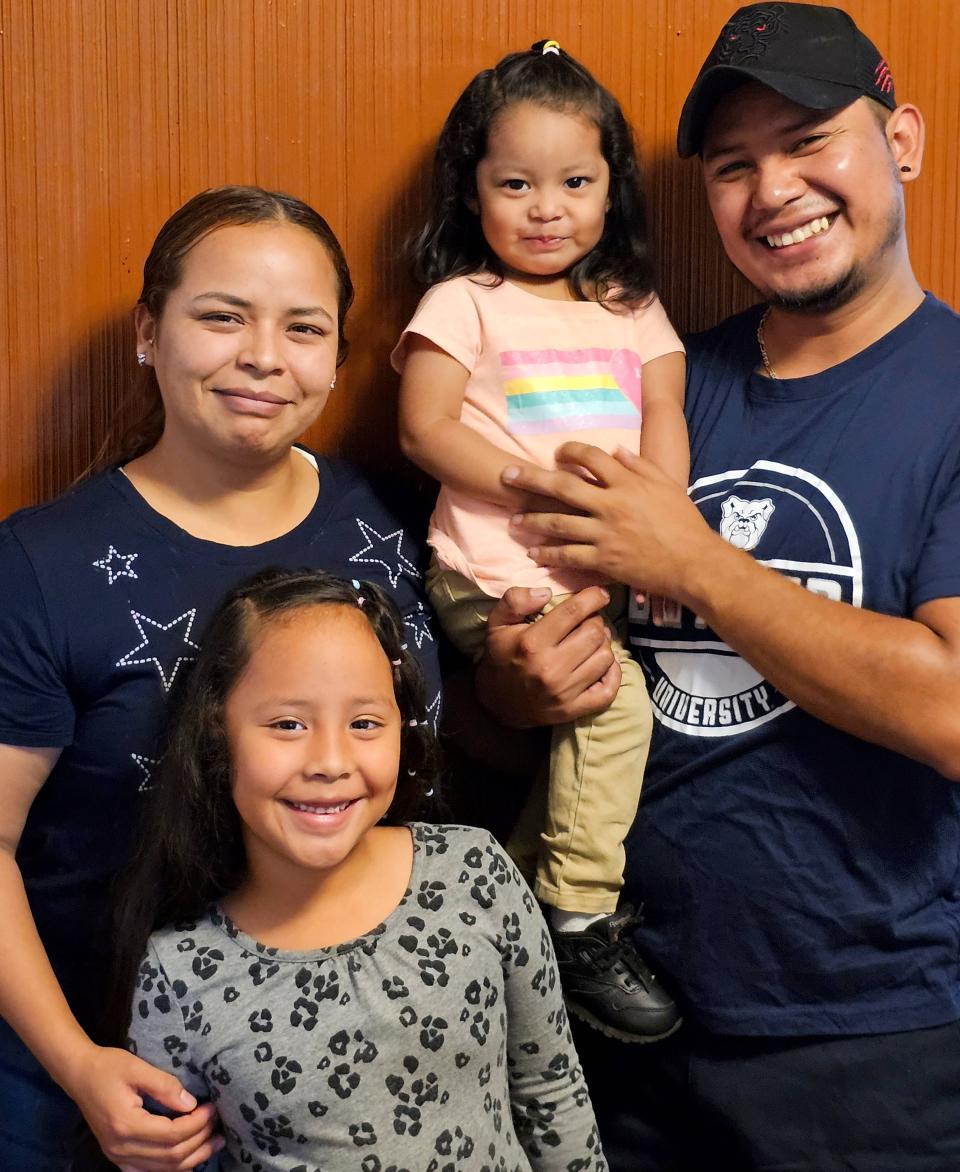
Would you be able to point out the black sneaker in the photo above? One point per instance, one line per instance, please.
(607, 983)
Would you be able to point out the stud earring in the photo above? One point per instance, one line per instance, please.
(141, 358)
(906, 170)
(333, 382)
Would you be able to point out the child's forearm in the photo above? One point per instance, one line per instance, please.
(458, 457)
(664, 440)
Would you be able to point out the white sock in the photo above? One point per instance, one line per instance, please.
(562, 921)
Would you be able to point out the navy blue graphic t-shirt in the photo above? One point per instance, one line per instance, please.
(798, 880)
(104, 602)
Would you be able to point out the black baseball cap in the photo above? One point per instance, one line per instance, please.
(816, 57)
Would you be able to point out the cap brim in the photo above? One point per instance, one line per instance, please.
(715, 83)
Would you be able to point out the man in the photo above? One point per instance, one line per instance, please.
(798, 842)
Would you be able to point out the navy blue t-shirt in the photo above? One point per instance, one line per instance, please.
(797, 880)
(104, 603)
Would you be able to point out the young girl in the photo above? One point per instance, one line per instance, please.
(352, 990)
(542, 326)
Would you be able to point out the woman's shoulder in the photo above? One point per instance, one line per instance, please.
(345, 481)
(55, 539)
(381, 509)
(78, 503)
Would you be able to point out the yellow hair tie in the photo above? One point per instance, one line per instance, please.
(550, 47)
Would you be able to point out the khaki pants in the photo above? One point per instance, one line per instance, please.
(569, 838)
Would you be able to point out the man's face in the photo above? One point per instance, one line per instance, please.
(808, 203)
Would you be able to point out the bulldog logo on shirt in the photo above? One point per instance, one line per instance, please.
(743, 522)
(793, 522)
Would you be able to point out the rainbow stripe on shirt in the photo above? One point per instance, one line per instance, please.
(557, 391)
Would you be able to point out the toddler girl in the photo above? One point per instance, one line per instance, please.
(541, 326)
(352, 990)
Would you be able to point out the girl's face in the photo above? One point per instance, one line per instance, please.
(542, 190)
(245, 349)
(314, 734)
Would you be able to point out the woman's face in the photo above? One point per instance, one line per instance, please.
(245, 349)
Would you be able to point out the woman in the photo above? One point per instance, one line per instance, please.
(241, 321)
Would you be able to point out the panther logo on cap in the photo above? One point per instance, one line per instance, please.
(745, 37)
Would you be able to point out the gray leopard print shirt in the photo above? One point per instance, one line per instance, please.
(438, 1042)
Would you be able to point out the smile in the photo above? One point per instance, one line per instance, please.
(320, 808)
(798, 235)
(244, 402)
(256, 397)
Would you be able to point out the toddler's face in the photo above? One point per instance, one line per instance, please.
(314, 734)
(542, 190)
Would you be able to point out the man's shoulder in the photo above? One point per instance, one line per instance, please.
(731, 335)
(937, 317)
(941, 310)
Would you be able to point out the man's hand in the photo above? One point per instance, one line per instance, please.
(630, 524)
(110, 1093)
(559, 668)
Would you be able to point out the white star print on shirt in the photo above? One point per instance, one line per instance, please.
(162, 643)
(419, 625)
(145, 765)
(117, 565)
(393, 560)
(433, 711)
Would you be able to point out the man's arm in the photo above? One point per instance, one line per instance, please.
(891, 681)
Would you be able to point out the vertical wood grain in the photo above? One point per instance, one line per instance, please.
(115, 111)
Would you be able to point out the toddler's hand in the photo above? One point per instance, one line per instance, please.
(662, 609)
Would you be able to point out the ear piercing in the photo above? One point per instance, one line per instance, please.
(906, 170)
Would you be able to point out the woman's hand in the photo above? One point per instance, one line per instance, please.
(559, 668)
(110, 1090)
(635, 525)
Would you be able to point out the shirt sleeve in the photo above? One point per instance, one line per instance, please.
(655, 335)
(36, 710)
(938, 569)
(549, 1099)
(158, 1029)
(447, 316)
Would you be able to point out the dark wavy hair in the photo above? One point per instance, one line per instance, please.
(139, 421)
(619, 269)
(190, 851)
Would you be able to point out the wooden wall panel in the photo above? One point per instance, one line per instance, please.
(115, 111)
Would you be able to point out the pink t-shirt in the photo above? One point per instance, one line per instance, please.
(541, 372)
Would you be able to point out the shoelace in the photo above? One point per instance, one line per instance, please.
(609, 956)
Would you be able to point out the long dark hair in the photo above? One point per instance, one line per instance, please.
(139, 421)
(619, 269)
(190, 851)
